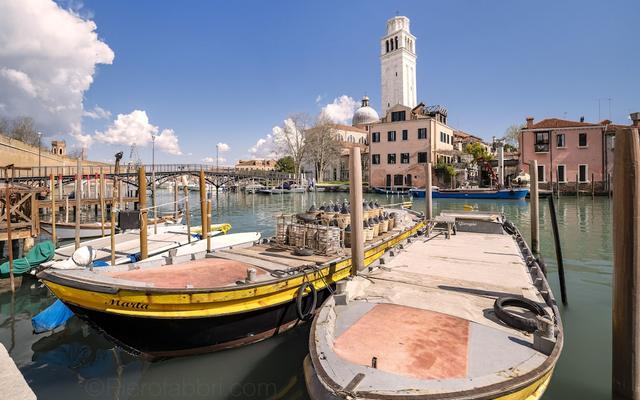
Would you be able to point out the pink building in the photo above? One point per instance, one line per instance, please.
(566, 151)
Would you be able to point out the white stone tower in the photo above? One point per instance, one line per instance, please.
(398, 65)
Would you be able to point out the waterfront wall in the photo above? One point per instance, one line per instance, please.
(20, 154)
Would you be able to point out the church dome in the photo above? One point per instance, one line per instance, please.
(365, 114)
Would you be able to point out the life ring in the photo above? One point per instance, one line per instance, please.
(305, 314)
(516, 321)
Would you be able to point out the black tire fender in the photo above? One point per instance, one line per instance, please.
(509, 227)
(515, 321)
(305, 314)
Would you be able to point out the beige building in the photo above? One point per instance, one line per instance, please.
(404, 140)
(256, 165)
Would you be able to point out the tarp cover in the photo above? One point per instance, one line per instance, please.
(40, 253)
(52, 317)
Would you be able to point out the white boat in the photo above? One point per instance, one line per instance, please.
(244, 239)
(297, 189)
(254, 188)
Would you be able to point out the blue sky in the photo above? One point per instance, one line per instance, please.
(229, 71)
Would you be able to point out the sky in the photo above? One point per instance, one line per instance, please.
(107, 74)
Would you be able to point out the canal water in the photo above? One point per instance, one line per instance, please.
(76, 362)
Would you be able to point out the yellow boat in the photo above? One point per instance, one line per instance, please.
(229, 298)
(467, 316)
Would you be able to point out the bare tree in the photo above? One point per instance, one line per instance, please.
(322, 147)
(4, 126)
(289, 139)
(512, 135)
(23, 129)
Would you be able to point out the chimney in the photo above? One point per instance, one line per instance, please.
(582, 119)
(529, 122)
(635, 117)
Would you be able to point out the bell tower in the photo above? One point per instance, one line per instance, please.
(398, 65)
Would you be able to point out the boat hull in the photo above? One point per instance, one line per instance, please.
(507, 194)
(156, 338)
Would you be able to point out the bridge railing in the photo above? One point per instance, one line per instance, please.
(43, 172)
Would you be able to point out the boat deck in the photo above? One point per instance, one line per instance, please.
(424, 324)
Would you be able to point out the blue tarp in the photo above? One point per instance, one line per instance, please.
(52, 317)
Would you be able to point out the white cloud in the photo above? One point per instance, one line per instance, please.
(212, 160)
(341, 110)
(48, 57)
(265, 147)
(318, 98)
(223, 147)
(135, 128)
(97, 112)
(167, 141)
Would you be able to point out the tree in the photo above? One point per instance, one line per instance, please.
(478, 151)
(285, 164)
(289, 139)
(24, 130)
(512, 135)
(322, 147)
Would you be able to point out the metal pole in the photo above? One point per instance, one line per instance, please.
(355, 194)
(427, 192)
(534, 198)
(39, 155)
(54, 238)
(7, 209)
(175, 200)
(78, 199)
(626, 266)
(142, 203)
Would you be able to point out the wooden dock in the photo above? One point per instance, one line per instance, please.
(13, 384)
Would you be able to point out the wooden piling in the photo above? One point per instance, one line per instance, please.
(534, 199)
(54, 238)
(626, 273)
(78, 200)
(187, 212)
(355, 198)
(175, 200)
(142, 201)
(593, 182)
(7, 210)
(577, 186)
(66, 209)
(101, 198)
(208, 225)
(203, 204)
(428, 198)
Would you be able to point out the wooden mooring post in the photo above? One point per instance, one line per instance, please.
(7, 207)
(626, 265)
(534, 199)
(208, 224)
(203, 205)
(52, 192)
(187, 211)
(78, 197)
(428, 198)
(355, 198)
(142, 203)
(102, 188)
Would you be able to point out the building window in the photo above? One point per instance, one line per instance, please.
(375, 159)
(387, 46)
(397, 180)
(375, 137)
(542, 142)
(391, 136)
(391, 158)
(405, 134)
(422, 157)
(404, 158)
(562, 176)
(396, 42)
(582, 140)
(398, 116)
(443, 137)
(560, 141)
(388, 180)
(422, 133)
(407, 180)
(541, 177)
(583, 172)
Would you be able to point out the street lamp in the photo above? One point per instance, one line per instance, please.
(153, 183)
(217, 157)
